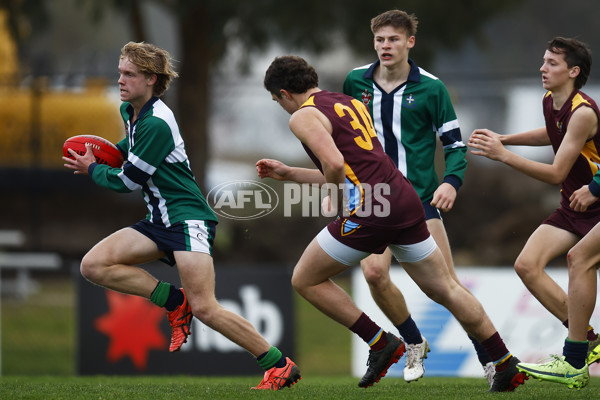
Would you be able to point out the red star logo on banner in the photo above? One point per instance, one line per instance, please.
(133, 326)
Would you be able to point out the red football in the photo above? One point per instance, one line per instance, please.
(104, 151)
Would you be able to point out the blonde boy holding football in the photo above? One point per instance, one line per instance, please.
(180, 226)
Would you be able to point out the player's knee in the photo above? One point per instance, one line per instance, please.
(444, 291)
(205, 310)
(202, 312)
(525, 270)
(297, 284)
(441, 298)
(375, 275)
(301, 284)
(440, 295)
(575, 262)
(89, 269)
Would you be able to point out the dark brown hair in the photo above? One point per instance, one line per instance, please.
(291, 73)
(576, 54)
(397, 19)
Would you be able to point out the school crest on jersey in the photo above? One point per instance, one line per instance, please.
(559, 126)
(366, 97)
(408, 101)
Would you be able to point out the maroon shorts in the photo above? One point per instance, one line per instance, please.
(578, 223)
(372, 239)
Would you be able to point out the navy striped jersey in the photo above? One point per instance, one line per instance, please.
(157, 164)
(407, 120)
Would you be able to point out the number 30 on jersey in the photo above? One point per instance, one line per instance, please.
(364, 125)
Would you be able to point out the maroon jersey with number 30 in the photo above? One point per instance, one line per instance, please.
(372, 180)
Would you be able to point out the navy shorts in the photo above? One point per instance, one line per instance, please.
(430, 211)
(192, 235)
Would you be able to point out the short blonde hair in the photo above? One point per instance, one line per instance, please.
(151, 59)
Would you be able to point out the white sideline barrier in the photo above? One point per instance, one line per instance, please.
(30, 260)
(11, 238)
(23, 262)
(23, 285)
(528, 329)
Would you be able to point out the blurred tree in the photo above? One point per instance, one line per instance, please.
(131, 8)
(25, 18)
(207, 28)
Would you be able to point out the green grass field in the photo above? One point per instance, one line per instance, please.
(310, 387)
(38, 352)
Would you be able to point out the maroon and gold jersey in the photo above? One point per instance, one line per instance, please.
(588, 161)
(377, 194)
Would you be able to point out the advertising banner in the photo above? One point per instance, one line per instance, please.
(124, 334)
(528, 329)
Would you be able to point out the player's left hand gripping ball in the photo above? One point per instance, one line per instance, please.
(104, 151)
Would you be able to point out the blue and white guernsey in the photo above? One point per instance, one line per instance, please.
(157, 164)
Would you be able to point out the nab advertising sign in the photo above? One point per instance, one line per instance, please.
(124, 334)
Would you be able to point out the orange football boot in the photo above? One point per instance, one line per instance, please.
(180, 320)
(277, 378)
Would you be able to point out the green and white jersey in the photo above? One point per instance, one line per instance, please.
(407, 120)
(157, 164)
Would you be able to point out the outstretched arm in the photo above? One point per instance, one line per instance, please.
(535, 137)
(267, 168)
(314, 130)
(582, 126)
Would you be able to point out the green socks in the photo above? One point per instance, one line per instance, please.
(160, 294)
(270, 358)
